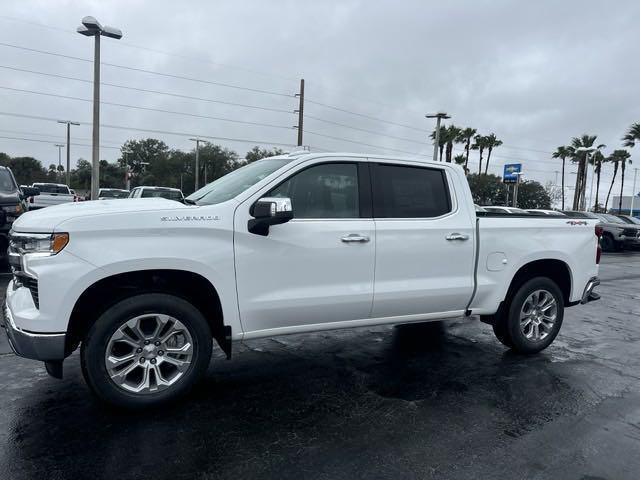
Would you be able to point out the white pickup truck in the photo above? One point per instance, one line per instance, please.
(289, 244)
(50, 194)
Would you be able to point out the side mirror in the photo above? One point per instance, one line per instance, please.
(269, 211)
(30, 191)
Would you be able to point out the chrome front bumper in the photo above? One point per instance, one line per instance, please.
(37, 346)
(589, 295)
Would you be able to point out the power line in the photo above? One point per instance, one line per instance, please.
(49, 141)
(162, 52)
(159, 92)
(150, 109)
(22, 132)
(164, 132)
(152, 72)
(363, 115)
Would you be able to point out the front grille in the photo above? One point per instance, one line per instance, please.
(631, 232)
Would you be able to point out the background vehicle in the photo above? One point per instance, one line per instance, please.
(12, 204)
(498, 209)
(50, 194)
(629, 219)
(545, 212)
(617, 233)
(287, 244)
(157, 192)
(104, 193)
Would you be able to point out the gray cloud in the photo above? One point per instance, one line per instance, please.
(535, 73)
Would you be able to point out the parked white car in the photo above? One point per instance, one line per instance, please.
(543, 211)
(289, 244)
(50, 194)
(498, 209)
(157, 192)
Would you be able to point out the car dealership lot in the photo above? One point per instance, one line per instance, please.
(434, 400)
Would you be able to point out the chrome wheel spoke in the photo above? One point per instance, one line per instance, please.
(538, 315)
(155, 360)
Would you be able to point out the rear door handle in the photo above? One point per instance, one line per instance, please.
(355, 238)
(457, 236)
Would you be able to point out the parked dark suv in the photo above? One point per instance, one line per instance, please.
(12, 204)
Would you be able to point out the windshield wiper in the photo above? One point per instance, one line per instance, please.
(189, 201)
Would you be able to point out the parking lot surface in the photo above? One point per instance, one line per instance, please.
(420, 401)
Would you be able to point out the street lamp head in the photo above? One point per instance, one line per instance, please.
(87, 32)
(69, 122)
(438, 115)
(112, 32)
(91, 23)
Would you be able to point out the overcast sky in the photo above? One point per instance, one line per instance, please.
(534, 73)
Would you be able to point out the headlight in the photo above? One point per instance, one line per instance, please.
(41, 243)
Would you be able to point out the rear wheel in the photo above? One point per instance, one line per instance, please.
(146, 350)
(535, 315)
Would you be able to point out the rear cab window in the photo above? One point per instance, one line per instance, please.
(405, 191)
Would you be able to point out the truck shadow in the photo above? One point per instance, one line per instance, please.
(299, 393)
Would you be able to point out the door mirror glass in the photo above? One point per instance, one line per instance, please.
(270, 211)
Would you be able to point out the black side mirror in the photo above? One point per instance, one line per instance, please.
(269, 211)
(30, 191)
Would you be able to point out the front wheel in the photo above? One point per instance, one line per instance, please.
(146, 350)
(534, 316)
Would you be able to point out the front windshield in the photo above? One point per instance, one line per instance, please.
(233, 184)
(6, 182)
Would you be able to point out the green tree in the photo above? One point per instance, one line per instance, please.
(632, 136)
(138, 155)
(257, 153)
(81, 176)
(562, 153)
(466, 135)
(579, 156)
(451, 136)
(532, 194)
(441, 140)
(461, 160)
(480, 144)
(491, 143)
(487, 189)
(596, 160)
(623, 163)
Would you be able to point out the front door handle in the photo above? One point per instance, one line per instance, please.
(355, 238)
(457, 236)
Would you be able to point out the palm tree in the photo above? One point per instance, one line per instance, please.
(562, 153)
(579, 155)
(465, 137)
(452, 136)
(596, 160)
(632, 136)
(479, 143)
(623, 162)
(461, 160)
(615, 158)
(492, 142)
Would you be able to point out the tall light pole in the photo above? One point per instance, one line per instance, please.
(69, 123)
(439, 116)
(633, 192)
(91, 28)
(197, 175)
(59, 145)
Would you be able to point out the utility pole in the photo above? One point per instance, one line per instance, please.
(92, 28)
(197, 175)
(633, 192)
(300, 111)
(439, 116)
(68, 123)
(59, 145)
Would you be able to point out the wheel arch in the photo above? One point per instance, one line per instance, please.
(556, 270)
(190, 286)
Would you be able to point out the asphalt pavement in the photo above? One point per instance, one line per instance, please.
(438, 400)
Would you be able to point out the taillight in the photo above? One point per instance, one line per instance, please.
(598, 230)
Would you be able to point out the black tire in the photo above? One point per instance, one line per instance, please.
(520, 343)
(607, 243)
(94, 345)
